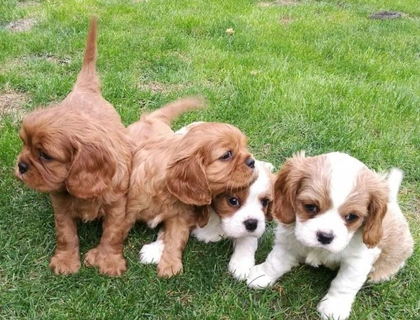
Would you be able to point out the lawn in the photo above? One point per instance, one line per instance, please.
(293, 75)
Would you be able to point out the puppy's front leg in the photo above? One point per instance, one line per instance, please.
(108, 255)
(337, 303)
(280, 260)
(243, 257)
(66, 259)
(175, 238)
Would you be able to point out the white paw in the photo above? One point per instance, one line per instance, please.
(334, 308)
(240, 268)
(258, 279)
(151, 253)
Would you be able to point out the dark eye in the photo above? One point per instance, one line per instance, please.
(311, 209)
(226, 156)
(351, 217)
(234, 202)
(265, 202)
(44, 156)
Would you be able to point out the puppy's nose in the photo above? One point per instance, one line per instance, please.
(324, 238)
(250, 162)
(23, 167)
(251, 224)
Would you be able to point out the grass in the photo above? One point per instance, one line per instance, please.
(312, 75)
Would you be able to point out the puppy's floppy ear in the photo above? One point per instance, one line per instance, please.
(285, 189)
(378, 206)
(269, 212)
(186, 179)
(92, 169)
(203, 215)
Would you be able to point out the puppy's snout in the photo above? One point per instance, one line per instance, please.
(324, 237)
(251, 224)
(23, 167)
(250, 162)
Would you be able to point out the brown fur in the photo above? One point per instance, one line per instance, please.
(175, 176)
(86, 170)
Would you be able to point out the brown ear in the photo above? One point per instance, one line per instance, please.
(285, 190)
(91, 171)
(269, 212)
(378, 206)
(186, 179)
(203, 215)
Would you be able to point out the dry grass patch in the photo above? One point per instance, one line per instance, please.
(11, 106)
(21, 25)
(157, 87)
(278, 3)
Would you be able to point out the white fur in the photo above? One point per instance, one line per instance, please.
(297, 243)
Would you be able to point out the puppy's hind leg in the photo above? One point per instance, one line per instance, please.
(108, 255)
(175, 238)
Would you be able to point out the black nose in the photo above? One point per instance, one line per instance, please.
(324, 238)
(250, 163)
(251, 224)
(23, 167)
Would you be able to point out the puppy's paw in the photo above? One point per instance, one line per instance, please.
(167, 270)
(112, 265)
(240, 268)
(334, 308)
(152, 252)
(258, 279)
(65, 263)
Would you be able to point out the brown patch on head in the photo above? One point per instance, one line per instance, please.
(211, 158)
(301, 187)
(367, 205)
(227, 203)
(21, 25)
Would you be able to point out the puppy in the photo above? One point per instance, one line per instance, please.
(237, 214)
(175, 177)
(333, 210)
(79, 152)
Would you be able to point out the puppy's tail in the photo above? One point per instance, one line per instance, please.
(394, 178)
(172, 110)
(88, 78)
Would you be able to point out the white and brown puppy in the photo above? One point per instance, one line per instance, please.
(239, 215)
(79, 152)
(334, 211)
(175, 177)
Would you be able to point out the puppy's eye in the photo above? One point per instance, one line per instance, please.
(351, 217)
(44, 156)
(311, 209)
(226, 156)
(264, 202)
(234, 202)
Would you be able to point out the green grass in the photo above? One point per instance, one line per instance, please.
(314, 75)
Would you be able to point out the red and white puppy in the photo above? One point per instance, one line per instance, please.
(334, 211)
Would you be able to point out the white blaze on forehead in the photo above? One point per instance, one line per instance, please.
(260, 187)
(344, 172)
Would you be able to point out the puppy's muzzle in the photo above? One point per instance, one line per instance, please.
(250, 162)
(324, 237)
(23, 167)
(251, 224)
